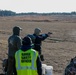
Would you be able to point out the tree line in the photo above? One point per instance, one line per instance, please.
(11, 13)
(7, 13)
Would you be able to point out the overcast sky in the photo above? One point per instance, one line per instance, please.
(40, 6)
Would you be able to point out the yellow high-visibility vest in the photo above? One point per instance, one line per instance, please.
(26, 62)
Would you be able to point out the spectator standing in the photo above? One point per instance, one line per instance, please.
(14, 44)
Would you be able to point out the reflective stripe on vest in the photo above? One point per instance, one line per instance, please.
(26, 67)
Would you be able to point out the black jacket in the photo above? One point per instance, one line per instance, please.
(38, 41)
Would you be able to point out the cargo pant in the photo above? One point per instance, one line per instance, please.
(11, 70)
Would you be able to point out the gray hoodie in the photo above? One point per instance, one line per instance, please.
(14, 41)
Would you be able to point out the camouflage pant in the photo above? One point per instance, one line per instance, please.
(11, 66)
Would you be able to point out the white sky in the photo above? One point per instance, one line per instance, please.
(40, 6)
